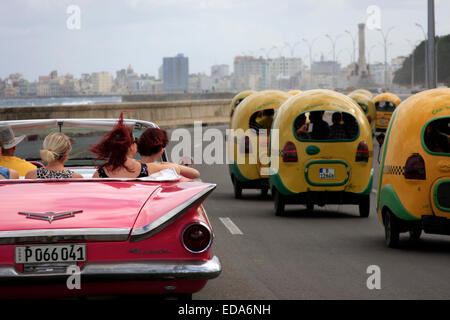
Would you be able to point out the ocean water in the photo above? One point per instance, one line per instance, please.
(57, 101)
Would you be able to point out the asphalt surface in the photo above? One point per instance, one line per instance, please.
(320, 255)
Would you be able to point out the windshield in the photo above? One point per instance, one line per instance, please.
(83, 134)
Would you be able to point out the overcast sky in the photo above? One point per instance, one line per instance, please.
(35, 38)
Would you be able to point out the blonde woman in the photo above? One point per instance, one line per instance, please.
(55, 152)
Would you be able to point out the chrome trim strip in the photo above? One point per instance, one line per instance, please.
(157, 270)
(160, 223)
(56, 235)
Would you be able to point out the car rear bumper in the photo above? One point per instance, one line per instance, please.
(161, 270)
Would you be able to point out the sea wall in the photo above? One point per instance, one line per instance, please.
(167, 114)
(177, 96)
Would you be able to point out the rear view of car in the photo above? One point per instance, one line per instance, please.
(78, 237)
(325, 152)
(414, 185)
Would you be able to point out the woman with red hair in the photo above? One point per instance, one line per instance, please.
(151, 146)
(117, 149)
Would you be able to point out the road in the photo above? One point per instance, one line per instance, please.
(320, 255)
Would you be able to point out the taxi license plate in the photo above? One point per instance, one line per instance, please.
(326, 173)
(50, 253)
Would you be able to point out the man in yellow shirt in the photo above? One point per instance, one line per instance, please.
(8, 143)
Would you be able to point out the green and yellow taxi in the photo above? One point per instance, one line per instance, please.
(385, 104)
(248, 140)
(414, 183)
(237, 99)
(323, 154)
(368, 107)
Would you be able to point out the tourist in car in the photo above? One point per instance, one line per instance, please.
(117, 149)
(320, 129)
(151, 145)
(8, 142)
(337, 131)
(7, 173)
(350, 125)
(55, 151)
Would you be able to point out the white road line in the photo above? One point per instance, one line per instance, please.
(231, 226)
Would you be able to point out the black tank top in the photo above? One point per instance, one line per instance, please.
(143, 173)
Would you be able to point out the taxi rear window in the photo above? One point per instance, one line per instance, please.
(436, 136)
(326, 125)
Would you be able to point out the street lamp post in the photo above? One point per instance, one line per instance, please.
(310, 45)
(291, 47)
(354, 45)
(385, 44)
(413, 45)
(333, 45)
(431, 47)
(426, 51)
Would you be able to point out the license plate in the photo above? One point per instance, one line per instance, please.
(326, 173)
(50, 253)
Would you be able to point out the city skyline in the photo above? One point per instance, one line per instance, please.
(35, 37)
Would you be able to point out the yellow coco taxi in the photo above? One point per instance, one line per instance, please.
(385, 104)
(414, 183)
(364, 92)
(368, 107)
(294, 92)
(249, 140)
(325, 152)
(237, 99)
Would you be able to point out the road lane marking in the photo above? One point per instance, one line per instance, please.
(230, 226)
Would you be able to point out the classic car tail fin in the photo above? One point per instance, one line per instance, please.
(160, 223)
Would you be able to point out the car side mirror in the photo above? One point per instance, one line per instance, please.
(380, 138)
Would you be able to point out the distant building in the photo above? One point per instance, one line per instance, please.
(102, 82)
(250, 73)
(176, 73)
(220, 71)
(324, 67)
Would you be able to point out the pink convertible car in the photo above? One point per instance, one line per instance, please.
(83, 237)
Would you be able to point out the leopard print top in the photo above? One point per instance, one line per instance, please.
(42, 173)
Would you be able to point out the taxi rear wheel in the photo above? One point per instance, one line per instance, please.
(237, 188)
(264, 193)
(279, 203)
(415, 233)
(391, 229)
(364, 206)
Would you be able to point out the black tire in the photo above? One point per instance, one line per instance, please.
(264, 193)
(391, 229)
(279, 203)
(310, 207)
(237, 188)
(415, 233)
(364, 206)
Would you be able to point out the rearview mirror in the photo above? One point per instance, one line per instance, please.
(380, 138)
